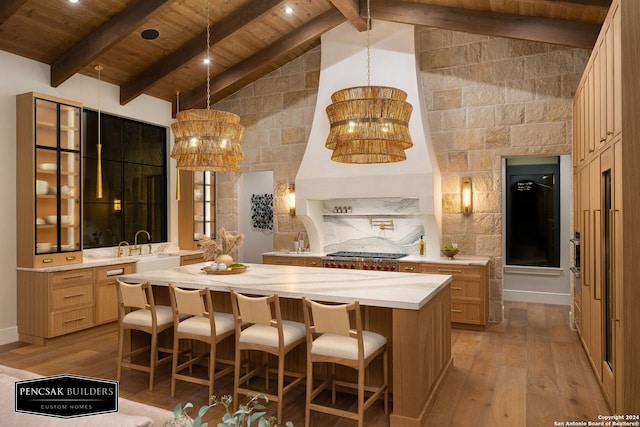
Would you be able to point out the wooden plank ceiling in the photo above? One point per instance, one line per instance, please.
(248, 38)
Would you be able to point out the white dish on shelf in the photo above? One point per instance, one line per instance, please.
(67, 247)
(42, 187)
(40, 221)
(48, 166)
(65, 190)
(43, 247)
(52, 219)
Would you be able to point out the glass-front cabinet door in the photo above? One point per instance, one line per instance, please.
(50, 153)
(203, 207)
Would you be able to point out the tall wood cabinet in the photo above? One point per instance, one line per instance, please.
(48, 176)
(196, 208)
(606, 199)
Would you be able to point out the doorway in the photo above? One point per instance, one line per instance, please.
(255, 190)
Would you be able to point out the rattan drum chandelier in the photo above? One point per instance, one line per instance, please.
(369, 124)
(205, 139)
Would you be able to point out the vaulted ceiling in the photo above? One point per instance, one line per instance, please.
(248, 38)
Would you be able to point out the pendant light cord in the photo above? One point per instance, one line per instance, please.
(208, 58)
(368, 43)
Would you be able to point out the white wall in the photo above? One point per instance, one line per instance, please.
(19, 75)
(545, 285)
(256, 242)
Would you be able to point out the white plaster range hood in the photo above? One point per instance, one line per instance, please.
(343, 65)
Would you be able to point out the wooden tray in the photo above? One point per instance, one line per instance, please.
(210, 270)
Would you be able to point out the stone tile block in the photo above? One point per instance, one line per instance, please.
(457, 162)
(474, 96)
(429, 39)
(537, 134)
(447, 99)
(294, 99)
(548, 64)
(481, 117)
(466, 38)
(469, 139)
(535, 112)
(497, 137)
(442, 141)
(509, 114)
(454, 119)
(489, 245)
(272, 103)
(293, 135)
(548, 87)
(482, 160)
(519, 91)
(560, 109)
(447, 57)
(526, 48)
(494, 49)
(312, 79)
(501, 71)
(462, 76)
(435, 121)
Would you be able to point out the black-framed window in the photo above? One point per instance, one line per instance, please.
(134, 180)
(533, 212)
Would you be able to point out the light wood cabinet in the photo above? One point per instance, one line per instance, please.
(469, 290)
(191, 259)
(48, 175)
(51, 304)
(196, 208)
(605, 181)
(299, 261)
(106, 295)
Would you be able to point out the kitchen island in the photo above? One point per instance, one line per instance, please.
(411, 310)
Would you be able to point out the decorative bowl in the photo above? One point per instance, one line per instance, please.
(450, 253)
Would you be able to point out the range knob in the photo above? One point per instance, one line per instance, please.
(378, 267)
(364, 267)
(386, 268)
(392, 268)
(352, 266)
(339, 265)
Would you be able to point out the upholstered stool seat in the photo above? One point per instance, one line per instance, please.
(137, 311)
(331, 338)
(195, 319)
(260, 327)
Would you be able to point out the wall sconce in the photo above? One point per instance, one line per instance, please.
(466, 194)
(117, 205)
(292, 199)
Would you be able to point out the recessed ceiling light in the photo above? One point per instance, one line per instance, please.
(149, 34)
(206, 61)
(73, 1)
(288, 10)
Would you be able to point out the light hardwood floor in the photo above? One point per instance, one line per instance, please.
(530, 370)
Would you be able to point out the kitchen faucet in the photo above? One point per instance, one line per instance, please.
(136, 247)
(120, 252)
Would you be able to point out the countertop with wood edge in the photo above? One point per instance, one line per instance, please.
(458, 260)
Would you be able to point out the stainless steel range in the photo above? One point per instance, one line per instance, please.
(362, 260)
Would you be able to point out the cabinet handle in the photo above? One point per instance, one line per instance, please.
(603, 139)
(47, 260)
(75, 319)
(80, 294)
(313, 263)
(449, 270)
(456, 288)
(408, 269)
(456, 311)
(75, 276)
(597, 291)
(609, 133)
(70, 258)
(115, 272)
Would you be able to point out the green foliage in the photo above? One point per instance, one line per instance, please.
(246, 415)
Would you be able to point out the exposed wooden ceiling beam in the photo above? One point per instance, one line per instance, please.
(194, 47)
(92, 46)
(350, 9)
(555, 31)
(601, 3)
(303, 34)
(8, 8)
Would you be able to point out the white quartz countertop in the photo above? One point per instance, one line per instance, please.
(458, 260)
(373, 288)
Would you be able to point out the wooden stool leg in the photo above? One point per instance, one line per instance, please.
(280, 386)
(154, 358)
(307, 405)
(386, 382)
(212, 367)
(174, 364)
(361, 373)
(120, 351)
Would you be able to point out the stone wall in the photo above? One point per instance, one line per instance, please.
(489, 98)
(277, 111)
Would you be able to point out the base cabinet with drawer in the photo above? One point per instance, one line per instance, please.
(51, 304)
(298, 261)
(469, 293)
(106, 304)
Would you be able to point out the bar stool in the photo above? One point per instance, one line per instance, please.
(258, 329)
(331, 339)
(194, 319)
(137, 311)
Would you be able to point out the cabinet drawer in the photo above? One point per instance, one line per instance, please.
(191, 259)
(454, 270)
(50, 260)
(467, 290)
(110, 272)
(283, 260)
(313, 262)
(467, 312)
(65, 277)
(68, 296)
(63, 322)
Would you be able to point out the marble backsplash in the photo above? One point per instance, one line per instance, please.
(372, 225)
